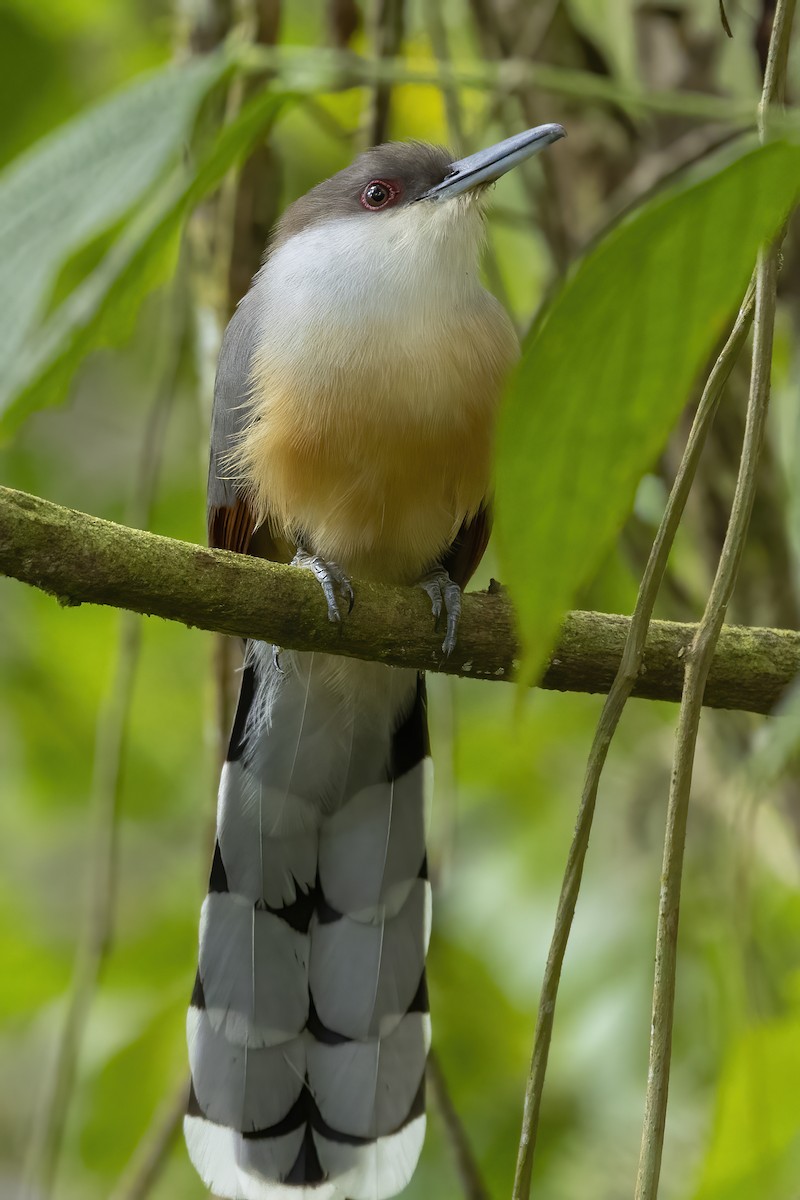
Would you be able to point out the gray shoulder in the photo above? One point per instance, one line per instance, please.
(231, 393)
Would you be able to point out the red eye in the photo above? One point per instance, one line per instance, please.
(378, 193)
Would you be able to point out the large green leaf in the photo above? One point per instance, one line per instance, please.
(101, 309)
(80, 180)
(609, 369)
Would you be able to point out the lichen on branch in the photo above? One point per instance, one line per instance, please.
(81, 559)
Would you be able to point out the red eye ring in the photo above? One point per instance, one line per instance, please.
(378, 193)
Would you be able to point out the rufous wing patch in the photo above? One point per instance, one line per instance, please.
(462, 559)
(231, 527)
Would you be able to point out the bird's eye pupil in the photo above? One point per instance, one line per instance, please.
(376, 194)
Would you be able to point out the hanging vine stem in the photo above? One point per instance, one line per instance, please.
(618, 696)
(48, 1130)
(628, 672)
(701, 653)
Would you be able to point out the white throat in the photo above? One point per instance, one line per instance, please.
(414, 268)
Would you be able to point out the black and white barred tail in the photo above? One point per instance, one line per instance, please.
(308, 1028)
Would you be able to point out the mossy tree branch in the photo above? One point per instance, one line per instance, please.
(81, 559)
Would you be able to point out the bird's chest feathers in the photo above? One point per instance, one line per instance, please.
(373, 406)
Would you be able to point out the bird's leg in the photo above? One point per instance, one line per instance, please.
(330, 577)
(443, 593)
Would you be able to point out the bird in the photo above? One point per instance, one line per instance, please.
(351, 435)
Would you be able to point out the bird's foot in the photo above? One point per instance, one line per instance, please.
(330, 577)
(443, 593)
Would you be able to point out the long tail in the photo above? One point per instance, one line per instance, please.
(308, 1028)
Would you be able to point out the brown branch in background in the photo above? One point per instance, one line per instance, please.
(469, 1174)
(82, 559)
(386, 24)
(245, 193)
(526, 44)
(207, 25)
(459, 143)
(342, 21)
(437, 35)
(496, 44)
(112, 723)
(256, 191)
(762, 32)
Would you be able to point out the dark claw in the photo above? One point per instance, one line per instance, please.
(329, 575)
(441, 590)
(452, 604)
(330, 597)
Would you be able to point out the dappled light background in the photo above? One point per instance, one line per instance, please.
(509, 767)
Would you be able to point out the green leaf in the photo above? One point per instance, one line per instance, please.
(131, 1082)
(78, 182)
(755, 1147)
(609, 369)
(101, 310)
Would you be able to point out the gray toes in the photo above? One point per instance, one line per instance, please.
(330, 576)
(444, 594)
(452, 604)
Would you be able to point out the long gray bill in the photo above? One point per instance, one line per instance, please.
(488, 165)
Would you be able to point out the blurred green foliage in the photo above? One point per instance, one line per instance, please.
(95, 254)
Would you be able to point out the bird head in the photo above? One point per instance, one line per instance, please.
(415, 179)
(401, 228)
